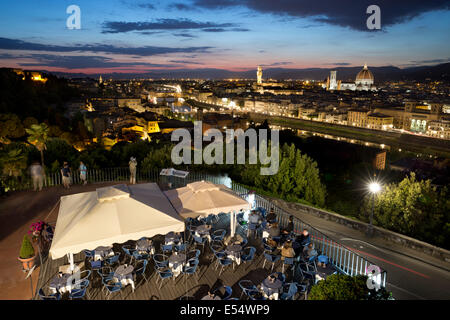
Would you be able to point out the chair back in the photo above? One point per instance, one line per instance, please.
(228, 292)
(288, 261)
(180, 247)
(113, 259)
(199, 239)
(96, 264)
(166, 247)
(142, 268)
(161, 260)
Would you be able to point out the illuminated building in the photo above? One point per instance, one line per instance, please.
(364, 82)
(259, 76)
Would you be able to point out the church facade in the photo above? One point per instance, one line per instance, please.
(364, 82)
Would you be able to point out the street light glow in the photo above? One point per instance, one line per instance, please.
(374, 187)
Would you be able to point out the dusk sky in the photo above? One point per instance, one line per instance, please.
(140, 36)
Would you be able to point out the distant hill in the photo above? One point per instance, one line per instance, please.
(437, 72)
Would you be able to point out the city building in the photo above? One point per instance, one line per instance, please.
(364, 81)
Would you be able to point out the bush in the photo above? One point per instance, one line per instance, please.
(27, 250)
(344, 287)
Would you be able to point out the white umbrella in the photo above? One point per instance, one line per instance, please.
(112, 215)
(203, 198)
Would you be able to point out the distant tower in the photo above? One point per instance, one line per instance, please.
(259, 75)
(333, 82)
(100, 80)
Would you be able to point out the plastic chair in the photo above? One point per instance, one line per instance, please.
(270, 258)
(246, 286)
(140, 257)
(161, 260)
(218, 234)
(292, 290)
(180, 247)
(228, 293)
(193, 254)
(89, 253)
(248, 254)
(224, 262)
(166, 248)
(105, 272)
(288, 262)
(140, 270)
(190, 270)
(113, 287)
(114, 259)
(128, 251)
(200, 240)
(163, 274)
(43, 296)
(81, 291)
(96, 265)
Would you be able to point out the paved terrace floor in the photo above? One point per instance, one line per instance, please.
(182, 286)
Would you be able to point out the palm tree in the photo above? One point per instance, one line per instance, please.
(13, 162)
(38, 136)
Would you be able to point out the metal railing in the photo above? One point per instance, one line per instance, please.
(343, 258)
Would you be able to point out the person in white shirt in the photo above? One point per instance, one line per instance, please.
(37, 175)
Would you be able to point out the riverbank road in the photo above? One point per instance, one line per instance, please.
(411, 275)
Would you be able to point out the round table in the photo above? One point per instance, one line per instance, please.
(59, 283)
(176, 262)
(124, 274)
(234, 252)
(208, 297)
(203, 229)
(277, 284)
(171, 238)
(103, 252)
(273, 288)
(144, 245)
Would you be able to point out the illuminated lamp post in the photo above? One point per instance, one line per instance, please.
(374, 188)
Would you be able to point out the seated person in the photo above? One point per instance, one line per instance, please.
(236, 239)
(309, 251)
(271, 217)
(211, 296)
(287, 251)
(254, 217)
(290, 226)
(274, 231)
(272, 243)
(304, 238)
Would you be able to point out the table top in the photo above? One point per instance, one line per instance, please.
(123, 270)
(103, 248)
(203, 228)
(207, 297)
(234, 248)
(172, 236)
(177, 258)
(272, 285)
(58, 281)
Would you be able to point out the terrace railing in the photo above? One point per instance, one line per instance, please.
(343, 258)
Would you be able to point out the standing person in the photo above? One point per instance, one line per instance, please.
(133, 165)
(37, 175)
(83, 172)
(271, 217)
(65, 172)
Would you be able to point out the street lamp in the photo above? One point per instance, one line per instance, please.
(374, 188)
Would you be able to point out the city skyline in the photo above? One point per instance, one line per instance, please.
(138, 37)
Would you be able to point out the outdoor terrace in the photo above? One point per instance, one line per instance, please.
(341, 259)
